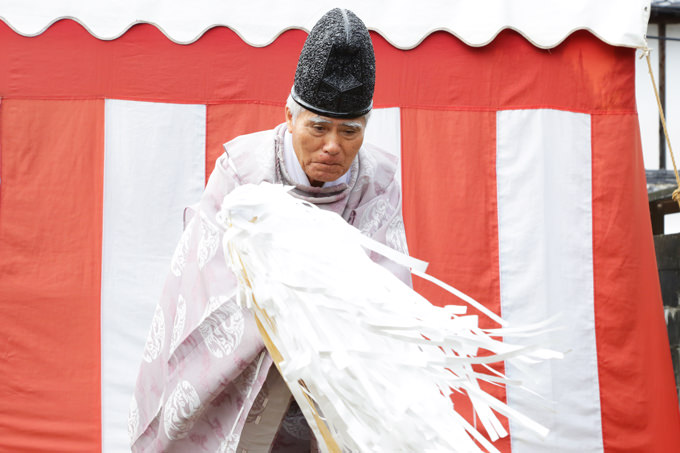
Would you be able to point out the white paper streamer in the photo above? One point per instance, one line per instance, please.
(378, 360)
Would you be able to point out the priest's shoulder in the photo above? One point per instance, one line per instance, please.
(379, 165)
(248, 143)
(250, 157)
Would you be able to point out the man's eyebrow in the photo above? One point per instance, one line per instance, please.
(354, 124)
(319, 120)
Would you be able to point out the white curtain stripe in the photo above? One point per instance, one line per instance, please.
(384, 131)
(154, 168)
(543, 166)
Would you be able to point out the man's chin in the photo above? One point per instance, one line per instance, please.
(324, 176)
(316, 182)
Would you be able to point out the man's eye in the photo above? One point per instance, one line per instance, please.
(318, 128)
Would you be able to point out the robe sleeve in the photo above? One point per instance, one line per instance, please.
(204, 360)
(381, 219)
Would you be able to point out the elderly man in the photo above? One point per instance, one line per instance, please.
(206, 382)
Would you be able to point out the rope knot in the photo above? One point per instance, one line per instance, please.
(676, 195)
(645, 51)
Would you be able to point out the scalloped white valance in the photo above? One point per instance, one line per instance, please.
(545, 23)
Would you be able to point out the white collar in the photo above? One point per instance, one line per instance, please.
(294, 169)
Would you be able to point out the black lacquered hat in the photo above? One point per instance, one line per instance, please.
(335, 74)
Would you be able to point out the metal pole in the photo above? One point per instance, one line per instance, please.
(662, 93)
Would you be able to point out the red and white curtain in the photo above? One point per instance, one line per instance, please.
(523, 186)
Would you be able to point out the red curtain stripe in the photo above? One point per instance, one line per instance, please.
(50, 271)
(450, 210)
(637, 389)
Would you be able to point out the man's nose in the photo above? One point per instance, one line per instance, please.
(332, 144)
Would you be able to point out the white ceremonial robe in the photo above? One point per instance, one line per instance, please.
(204, 362)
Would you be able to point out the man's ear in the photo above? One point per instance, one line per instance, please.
(289, 120)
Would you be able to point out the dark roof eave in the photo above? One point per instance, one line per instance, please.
(669, 14)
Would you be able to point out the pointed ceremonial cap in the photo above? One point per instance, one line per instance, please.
(335, 74)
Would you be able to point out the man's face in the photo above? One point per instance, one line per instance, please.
(325, 147)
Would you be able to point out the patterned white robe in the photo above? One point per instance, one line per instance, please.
(204, 361)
